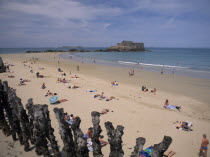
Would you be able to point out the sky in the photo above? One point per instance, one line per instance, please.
(102, 23)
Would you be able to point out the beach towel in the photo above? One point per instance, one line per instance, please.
(147, 152)
(171, 107)
(91, 90)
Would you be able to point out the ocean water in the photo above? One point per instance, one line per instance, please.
(193, 62)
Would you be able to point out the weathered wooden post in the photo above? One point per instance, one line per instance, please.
(96, 133)
(80, 141)
(2, 66)
(138, 147)
(66, 134)
(159, 149)
(115, 139)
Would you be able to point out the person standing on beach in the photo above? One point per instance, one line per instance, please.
(204, 145)
(77, 68)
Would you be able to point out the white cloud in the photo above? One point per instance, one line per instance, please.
(62, 9)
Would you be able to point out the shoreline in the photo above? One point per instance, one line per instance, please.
(144, 110)
(167, 69)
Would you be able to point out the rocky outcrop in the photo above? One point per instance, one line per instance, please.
(2, 66)
(127, 46)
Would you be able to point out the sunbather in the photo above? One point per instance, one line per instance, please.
(111, 97)
(166, 105)
(186, 126)
(11, 76)
(154, 91)
(74, 87)
(170, 154)
(75, 76)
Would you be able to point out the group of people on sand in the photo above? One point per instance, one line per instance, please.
(60, 80)
(186, 126)
(50, 93)
(131, 72)
(38, 75)
(145, 89)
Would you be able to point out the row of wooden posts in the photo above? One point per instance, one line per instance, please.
(32, 126)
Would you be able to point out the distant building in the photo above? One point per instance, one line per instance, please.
(128, 46)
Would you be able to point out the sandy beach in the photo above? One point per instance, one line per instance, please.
(141, 113)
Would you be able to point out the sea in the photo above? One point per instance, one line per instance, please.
(193, 62)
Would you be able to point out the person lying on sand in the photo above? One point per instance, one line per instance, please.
(49, 93)
(74, 87)
(154, 91)
(97, 95)
(166, 105)
(111, 97)
(11, 76)
(62, 100)
(105, 111)
(114, 83)
(186, 126)
(26, 80)
(169, 154)
(75, 76)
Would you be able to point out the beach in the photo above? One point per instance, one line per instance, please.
(141, 113)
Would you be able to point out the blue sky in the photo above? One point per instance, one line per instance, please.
(53, 23)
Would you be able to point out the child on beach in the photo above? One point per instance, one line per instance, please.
(43, 86)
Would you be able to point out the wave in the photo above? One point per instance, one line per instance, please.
(154, 65)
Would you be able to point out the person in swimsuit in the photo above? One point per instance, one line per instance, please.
(204, 145)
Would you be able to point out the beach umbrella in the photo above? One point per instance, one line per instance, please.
(53, 99)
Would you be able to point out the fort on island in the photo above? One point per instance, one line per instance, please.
(127, 46)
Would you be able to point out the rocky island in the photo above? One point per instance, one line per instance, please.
(127, 46)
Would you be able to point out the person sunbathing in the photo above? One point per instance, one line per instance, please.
(64, 80)
(104, 111)
(154, 91)
(74, 87)
(111, 97)
(166, 105)
(49, 93)
(26, 80)
(62, 100)
(114, 83)
(183, 126)
(102, 96)
(170, 154)
(11, 76)
(97, 95)
(75, 76)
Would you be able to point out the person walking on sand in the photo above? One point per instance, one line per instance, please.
(204, 146)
